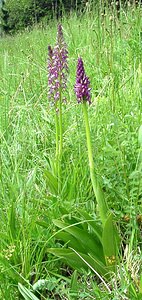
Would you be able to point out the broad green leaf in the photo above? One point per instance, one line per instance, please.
(93, 224)
(51, 181)
(69, 257)
(71, 241)
(88, 240)
(76, 263)
(72, 220)
(26, 293)
(110, 241)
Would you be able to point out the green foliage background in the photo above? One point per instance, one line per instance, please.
(24, 13)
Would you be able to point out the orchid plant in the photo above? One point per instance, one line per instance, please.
(99, 247)
(82, 90)
(57, 84)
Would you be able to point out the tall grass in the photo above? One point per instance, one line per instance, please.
(112, 52)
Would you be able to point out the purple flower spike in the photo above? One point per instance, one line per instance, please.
(57, 67)
(50, 72)
(60, 55)
(82, 85)
(60, 38)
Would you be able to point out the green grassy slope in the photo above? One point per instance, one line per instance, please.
(112, 54)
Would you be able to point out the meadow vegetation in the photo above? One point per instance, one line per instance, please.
(34, 211)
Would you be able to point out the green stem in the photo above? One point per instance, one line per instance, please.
(60, 126)
(60, 141)
(57, 139)
(57, 135)
(102, 205)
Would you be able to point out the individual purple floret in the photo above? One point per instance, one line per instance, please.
(82, 85)
(57, 67)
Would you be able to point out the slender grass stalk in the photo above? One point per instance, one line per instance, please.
(96, 273)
